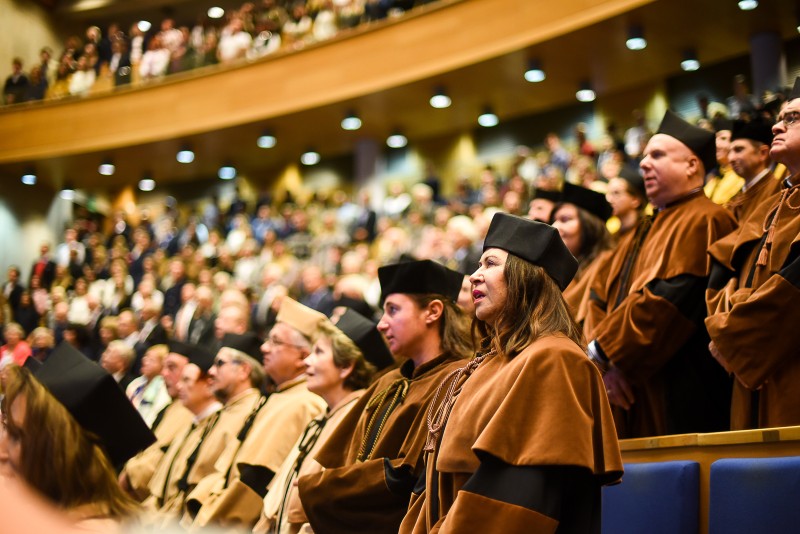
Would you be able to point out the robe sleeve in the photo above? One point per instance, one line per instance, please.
(664, 314)
(344, 499)
(764, 317)
(501, 497)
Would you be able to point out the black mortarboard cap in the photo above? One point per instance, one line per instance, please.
(365, 335)
(96, 402)
(700, 141)
(591, 201)
(721, 123)
(32, 364)
(795, 90)
(198, 355)
(419, 277)
(247, 343)
(634, 178)
(534, 242)
(755, 130)
(547, 194)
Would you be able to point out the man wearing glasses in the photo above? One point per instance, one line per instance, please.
(753, 294)
(233, 495)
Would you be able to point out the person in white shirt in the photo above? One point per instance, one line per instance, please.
(148, 393)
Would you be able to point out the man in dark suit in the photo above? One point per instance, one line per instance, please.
(12, 289)
(117, 360)
(201, 327)
(44, 267)
(172, 296)
(150, 333)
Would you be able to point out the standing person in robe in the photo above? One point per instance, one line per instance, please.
(64, 429)
(580, 218)
(753, 294)
(339, 367)
(521, 438)
(645, 319)
(233, 495)
(749, 157)
(374, 457)
(628, 200)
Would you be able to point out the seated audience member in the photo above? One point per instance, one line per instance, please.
(232, 497)
(645, 318)
(42, 343)
(753, 292)
(90, 429)
(193, 454)
(16, 350)
(147, 392)
(171, 421)
(338, 371)
(117, 359)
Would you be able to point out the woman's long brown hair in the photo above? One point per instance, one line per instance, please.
(58, 457)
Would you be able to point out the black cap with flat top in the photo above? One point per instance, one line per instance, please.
(702, 142)
(364, 333)
(534, 242)
(419, 278)
(94, 399)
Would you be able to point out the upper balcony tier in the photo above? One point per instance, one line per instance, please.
(477, 49)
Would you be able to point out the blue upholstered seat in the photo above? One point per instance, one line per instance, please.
(653, 498)
(753, 495)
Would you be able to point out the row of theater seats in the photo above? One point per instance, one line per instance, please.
(746, 495)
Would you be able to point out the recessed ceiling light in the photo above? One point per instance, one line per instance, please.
(216, 12)
(310, 157)
(440, 100)
(534, 74)
(487, 119)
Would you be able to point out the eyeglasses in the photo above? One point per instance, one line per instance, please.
(220, 363)
(278, 343)
(789, 118)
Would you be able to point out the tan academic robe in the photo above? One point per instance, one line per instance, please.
(752, 324)
(283, 500)
(547, 406)
(357, 496)
(655, 335)
(139, 469)
(744, 203)
(222, 429)
(222, 498)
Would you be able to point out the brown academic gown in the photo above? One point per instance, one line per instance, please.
(283, 501)
(576, 293)
(210, 438)
(747, 201)
(754, 312)
(371, 496)
(222, 498)
(654, 333)
(546, 407)
(139, 469)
